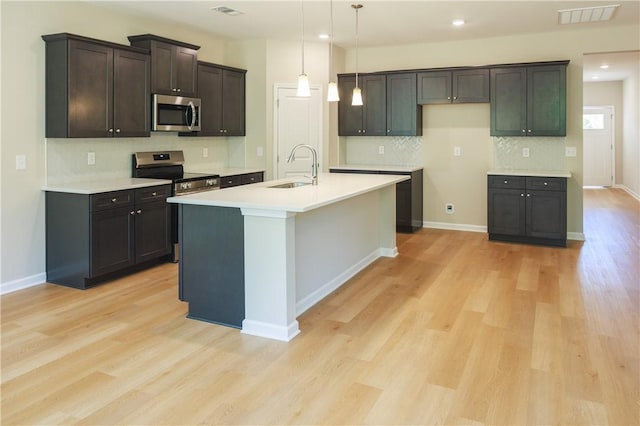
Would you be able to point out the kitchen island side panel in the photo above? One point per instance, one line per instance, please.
(212, 263)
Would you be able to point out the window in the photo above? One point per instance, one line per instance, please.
(593, 121)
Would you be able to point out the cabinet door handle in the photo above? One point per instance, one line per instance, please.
(449, 97)
(506, 181)
(522, 195)
(524, 131)
(117, 130)
(388, 130)
(529, 130)
(179, 90)
(139, 211)
(113, 200)
(364, 131)
(110, 130)
(528, 195)
(545, 184)
(132, 212)
(154, 193)
(455, 97)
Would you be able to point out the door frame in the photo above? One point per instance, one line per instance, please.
(276, 112)
(612, 110)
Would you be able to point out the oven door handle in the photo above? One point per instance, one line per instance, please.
(192, 122)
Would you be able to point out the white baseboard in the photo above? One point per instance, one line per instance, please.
(628, 191)
(576, 236)
(455, 226)
(270, 331)
(326, 289)
(23, 283)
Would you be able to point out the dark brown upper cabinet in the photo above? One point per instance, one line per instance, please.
(404, 115)
(370, 119)
(173, 64)
(221, 90)
(95, 89)
(455, 86)
(529, 101)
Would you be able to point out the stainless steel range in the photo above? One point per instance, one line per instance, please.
(170, 165)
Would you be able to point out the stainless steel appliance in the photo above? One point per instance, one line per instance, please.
(170, 165)
(175, 114)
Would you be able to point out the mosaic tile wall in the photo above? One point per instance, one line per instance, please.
(398, 150)
(545, 153)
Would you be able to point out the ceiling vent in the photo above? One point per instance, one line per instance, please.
(586, 14)
(226, 10)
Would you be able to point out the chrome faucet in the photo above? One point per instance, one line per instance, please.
(314, 164)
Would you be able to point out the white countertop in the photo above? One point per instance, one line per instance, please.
(103, 185)
(535, 173)
(331, 188)
(374, 168)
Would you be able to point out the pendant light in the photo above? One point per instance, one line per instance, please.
(332, 89)
(303, 80)
(356, 98)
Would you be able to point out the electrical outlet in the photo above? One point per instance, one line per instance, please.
(381, 149)
(570, 151)
(449, 208)
(525, 152)
(205, 152)
(91, 158)
(21, 162)
(260, 151)
(457, 152)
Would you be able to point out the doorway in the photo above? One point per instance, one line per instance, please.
(296, 120)
(598, 145)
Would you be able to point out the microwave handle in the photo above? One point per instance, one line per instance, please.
(190, 123)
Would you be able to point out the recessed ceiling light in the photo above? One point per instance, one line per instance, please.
(226, 10)
(586, 14)
(458, 22)
(604, 66)
(323, 36)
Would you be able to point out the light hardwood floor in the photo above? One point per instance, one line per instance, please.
(455, 330)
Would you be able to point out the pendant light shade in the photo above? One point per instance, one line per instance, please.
(303, 80)
(332, 88)
(332, 92)
(356, 98)
(303, 86)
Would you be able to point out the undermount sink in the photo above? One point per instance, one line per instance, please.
(290, 185)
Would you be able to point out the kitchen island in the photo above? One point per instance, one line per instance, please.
(257, 256)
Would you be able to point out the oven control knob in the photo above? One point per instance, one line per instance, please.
(211, 182)
(185, 185)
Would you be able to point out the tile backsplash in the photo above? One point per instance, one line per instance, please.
(545, 153)
(398, 150)
(67, 158)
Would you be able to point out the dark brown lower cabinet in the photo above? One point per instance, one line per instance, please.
(527, 209)
(91, 238)
(408, 196)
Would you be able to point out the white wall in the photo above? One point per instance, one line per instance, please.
(631, 133)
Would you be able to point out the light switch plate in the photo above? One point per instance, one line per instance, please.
(91, 158)
(21, 162)
(457, 152)
(570, 151)
(205, 152)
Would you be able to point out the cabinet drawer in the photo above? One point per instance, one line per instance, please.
(228, 181)
(504, 181)
(251, 178)
(111, 200)
(547, 183)
(153, 193)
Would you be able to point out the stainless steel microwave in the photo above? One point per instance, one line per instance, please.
(175, 114)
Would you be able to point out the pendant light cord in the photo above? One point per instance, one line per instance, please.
(302, 12)
(357, 8)
(331, 41)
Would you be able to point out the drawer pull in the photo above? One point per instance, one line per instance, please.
(545, 184)
(506, 181)
(154, 193)
(113, 200)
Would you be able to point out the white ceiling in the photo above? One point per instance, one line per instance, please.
(382, 22)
